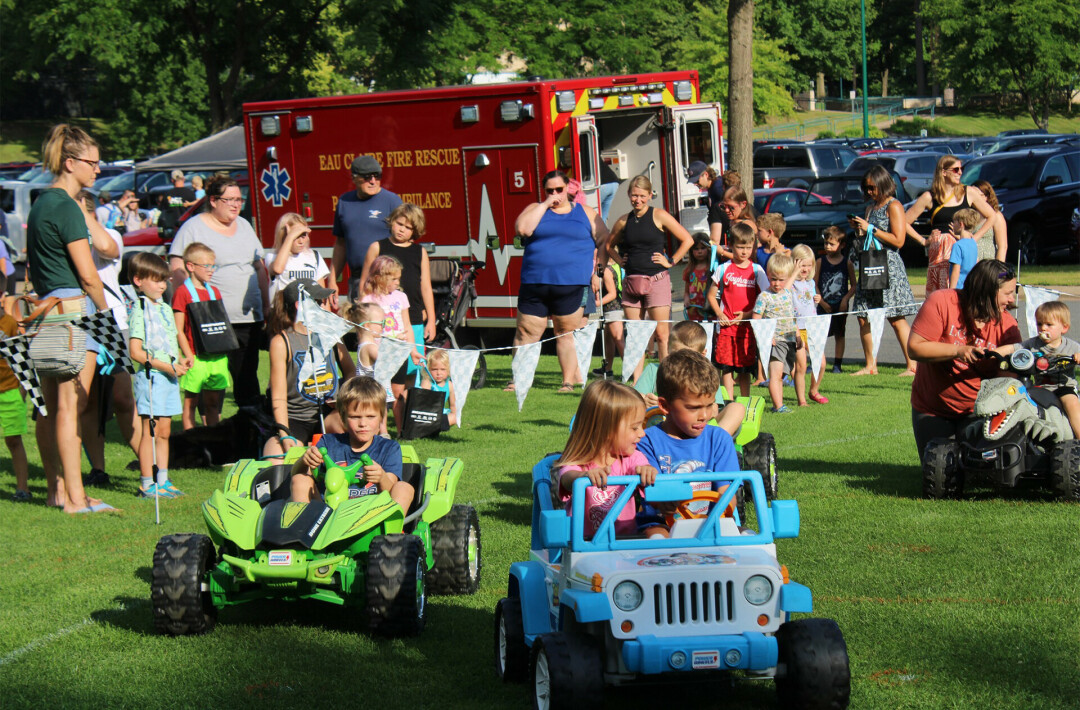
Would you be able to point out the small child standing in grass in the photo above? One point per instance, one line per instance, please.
(836, 284)
(696, 280)
(13, 408)
(770, 227)
(779, 303)
(965, 253)
(603, 443)
(438, 365)
(732, 294)
(806, 299)
(155, 346)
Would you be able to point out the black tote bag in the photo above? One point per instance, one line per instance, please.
(211, 330)
(873, 264)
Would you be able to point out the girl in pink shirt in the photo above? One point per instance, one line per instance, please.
(383, 287)
(607, 427)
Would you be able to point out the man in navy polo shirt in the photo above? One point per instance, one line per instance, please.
(360, 220)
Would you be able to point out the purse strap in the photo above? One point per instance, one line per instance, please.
(40, 308)
(871, 242)
(195, 292)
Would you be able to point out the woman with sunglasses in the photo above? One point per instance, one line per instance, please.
(239, 273)
(953, 329)
(886, 213)
(947, 196)
(58, 235)
(639, 242)
(561, 239)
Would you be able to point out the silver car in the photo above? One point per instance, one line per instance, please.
(915, 168)
(15, 200)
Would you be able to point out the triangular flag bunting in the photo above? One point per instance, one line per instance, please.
(763, 328)
(392, 353)
(817, 332)
(876, 316)
(524, 368)
(1033, 298)
(325, 330)
(709, 327)
(584, 341)
(462, 365)
(638, 333)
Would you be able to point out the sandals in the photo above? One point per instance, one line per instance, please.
(566, 388)
(820, 399)
(509, 387)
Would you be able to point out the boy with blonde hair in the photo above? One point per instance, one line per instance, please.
(779, 303)
(209, 373)
(361, 402)
(770, 227)
(965, 253)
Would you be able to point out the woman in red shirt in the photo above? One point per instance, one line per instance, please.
(951, 332)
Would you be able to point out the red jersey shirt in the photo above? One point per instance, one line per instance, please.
(180, 302)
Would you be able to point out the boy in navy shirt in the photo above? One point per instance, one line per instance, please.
(361, 402)
(686, 385)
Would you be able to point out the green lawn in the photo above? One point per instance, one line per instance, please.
(1059, 275)
(967, 604)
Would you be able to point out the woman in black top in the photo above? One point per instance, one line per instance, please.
(638, 242)
(947, 196)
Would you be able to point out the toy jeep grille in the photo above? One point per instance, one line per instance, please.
(693, 603)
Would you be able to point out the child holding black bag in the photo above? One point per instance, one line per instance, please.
(209, 373)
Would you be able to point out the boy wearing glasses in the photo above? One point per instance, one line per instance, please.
(360, 221)
(209, 374)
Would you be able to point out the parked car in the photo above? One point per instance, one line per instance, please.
(1038, 190)
(916, 169)
(785, 200)
(828, 203)
(1004, 145)
(12, 171)
(1024, 132)
(16, 197)
(798, 164)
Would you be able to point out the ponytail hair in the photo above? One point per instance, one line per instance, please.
(64, 141)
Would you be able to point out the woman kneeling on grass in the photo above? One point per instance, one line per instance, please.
(953, 329)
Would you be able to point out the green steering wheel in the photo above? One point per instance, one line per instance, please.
(339, 479)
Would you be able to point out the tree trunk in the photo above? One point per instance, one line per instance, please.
(741, 90)
(920, 67)
(884, 82)
(820, 86)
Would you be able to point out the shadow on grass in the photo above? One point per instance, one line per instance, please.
(898, 480)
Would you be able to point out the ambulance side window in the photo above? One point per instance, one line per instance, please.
(700, 142)
(587, 155)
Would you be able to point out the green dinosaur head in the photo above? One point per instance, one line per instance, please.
(1004, 404)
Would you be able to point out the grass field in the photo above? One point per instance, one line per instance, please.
(965, 604)
(1058, 275)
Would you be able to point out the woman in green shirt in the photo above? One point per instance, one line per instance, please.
(58, 236)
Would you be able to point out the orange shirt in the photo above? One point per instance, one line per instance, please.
(8, 380)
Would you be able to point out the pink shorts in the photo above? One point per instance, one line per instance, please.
(647, 291)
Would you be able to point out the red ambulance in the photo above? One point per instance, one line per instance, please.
(472, 158)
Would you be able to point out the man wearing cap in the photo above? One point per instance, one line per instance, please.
(360, 220)
(171, 203)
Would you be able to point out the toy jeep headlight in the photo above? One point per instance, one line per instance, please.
(627, 595)
(758, 590)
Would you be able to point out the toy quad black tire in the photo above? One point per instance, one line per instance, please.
(760, 455)
(813, 671)
(455, 546)
(567, 672)
(511, 653)
(396, 595)
(1065, 470)
(942, 475)
(180, 604)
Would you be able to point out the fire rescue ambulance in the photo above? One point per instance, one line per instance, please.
(472, 158)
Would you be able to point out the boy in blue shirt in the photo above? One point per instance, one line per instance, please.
(965, 253)
(686, 385)
(361, 402)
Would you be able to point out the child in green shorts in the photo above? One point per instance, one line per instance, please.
(209, 374)
(12, 409)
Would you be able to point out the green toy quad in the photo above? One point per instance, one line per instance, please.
(361, 552)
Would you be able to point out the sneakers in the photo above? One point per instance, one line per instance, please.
(603, 374)
(154, 489)
(782, 409)
(168, 486)
(836, 369)
(22, 496)
(96, 477)
(788, 382)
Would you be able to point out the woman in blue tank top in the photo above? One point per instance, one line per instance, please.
(638, 242)
(561, 240)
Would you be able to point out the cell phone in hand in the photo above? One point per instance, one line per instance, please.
(853, 216)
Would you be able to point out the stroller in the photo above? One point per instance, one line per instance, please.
(452, 281)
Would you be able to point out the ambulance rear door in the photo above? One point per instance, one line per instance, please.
(587, 158)
(696, 136)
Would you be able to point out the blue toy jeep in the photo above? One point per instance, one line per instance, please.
(585, 612)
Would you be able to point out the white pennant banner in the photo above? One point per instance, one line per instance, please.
(392, 353)
(1033, 298)
(876, 316)
(325, 330)
(584, 341)
(709, 327)
(638, 333)
(524, 365)
(462, 365)
(817, 333)
(764, 329)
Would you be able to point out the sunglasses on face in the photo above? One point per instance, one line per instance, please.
(367, 177)
(956, 169)
(554, 190)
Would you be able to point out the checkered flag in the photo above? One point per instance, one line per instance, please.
(16, 350)
(103, 329)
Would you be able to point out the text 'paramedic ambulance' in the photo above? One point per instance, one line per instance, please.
(472, 158)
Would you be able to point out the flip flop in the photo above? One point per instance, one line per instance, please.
(509, 387)
(98, 508)
(907, 373)
(566, 388)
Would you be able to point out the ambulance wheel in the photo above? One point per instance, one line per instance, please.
(396, 595)
(567, 672)
(180, 603)
(455, 545)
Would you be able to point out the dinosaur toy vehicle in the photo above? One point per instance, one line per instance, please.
(1020, 434)
(363, 552)
(585, 612)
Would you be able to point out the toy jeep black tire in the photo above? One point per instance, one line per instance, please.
(760, 455)
(813, 669)
(396, 595)
(567, 672)
(180, 605)
(942, 474)
(1065, 470)
(455, 546)
(511, 653)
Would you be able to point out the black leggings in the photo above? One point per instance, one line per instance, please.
(928, 426)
